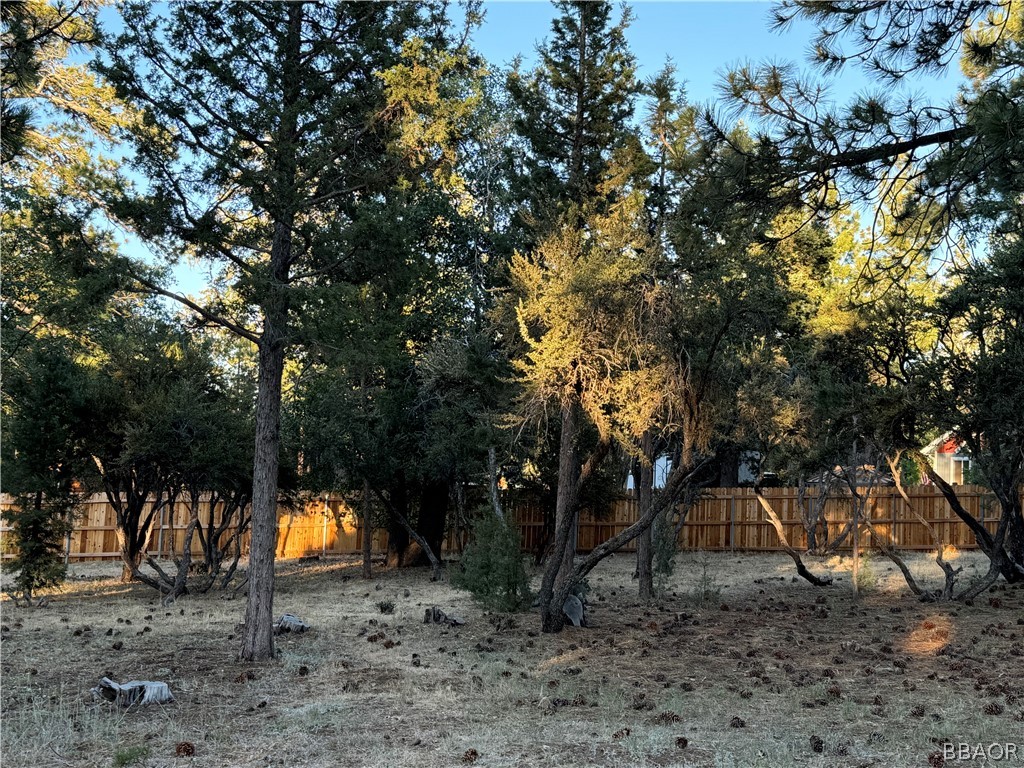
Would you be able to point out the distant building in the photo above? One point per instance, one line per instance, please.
(949, 458)
(662, 468)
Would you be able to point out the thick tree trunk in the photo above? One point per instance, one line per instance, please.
(560, 558)
(433, 516)
(678, 483)
(130, 559)
(643, 482)
(133, 528)
(367, 532)
(729, 467)
(996, 550)
(258, 637)
(398, 517)
(398, 536)
(567, 512)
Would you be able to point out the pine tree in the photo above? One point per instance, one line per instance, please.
(60, 264)
(271, 132)
(572, 112)
(949, 162)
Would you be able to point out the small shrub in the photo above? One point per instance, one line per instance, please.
(867, 578)
(666, 546)
(39, 526)
(386, 607)
(707, 591)
(492, 568)
(130, 756)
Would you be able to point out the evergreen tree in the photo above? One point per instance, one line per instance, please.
(45, 459)
(572, 113)
(60, 264)
(270, 134)
(946, 162)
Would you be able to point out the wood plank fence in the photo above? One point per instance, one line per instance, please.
(723, 519)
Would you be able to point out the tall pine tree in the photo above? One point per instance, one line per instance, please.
(573, 112)
(272, 132)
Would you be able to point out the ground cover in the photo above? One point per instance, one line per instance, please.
(738, 665)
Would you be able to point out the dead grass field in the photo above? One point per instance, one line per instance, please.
(749, 676)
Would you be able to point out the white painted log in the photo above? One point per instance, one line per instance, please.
(289, 622)
(134, 692)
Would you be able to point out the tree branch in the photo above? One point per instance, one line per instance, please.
(235, 328)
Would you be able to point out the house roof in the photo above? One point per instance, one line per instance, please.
(944, 443)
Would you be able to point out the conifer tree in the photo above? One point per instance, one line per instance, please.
(572, 111)
(272, 134)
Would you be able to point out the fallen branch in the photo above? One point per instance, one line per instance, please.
(784, 540)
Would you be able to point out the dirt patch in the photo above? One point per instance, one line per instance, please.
(816, 677)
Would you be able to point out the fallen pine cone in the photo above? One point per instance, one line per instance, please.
(936, 760)
(621, 733)
(682, 742)
(185, 749)
(470, 756)
(817, 744)
(666, 718)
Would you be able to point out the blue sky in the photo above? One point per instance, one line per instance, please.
(703, 40)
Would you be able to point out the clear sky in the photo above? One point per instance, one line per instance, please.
(703, 40)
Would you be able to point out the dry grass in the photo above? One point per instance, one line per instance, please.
(790, 661)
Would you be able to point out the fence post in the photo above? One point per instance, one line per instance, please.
(732, 522)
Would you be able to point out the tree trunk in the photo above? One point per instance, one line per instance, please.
(679, 481)
(258, 636)
(997, 551)
(367, 532)
(433, 515)
(492, 477)
(643, 481)
(398, 536)
(729, 466)
(560, 559)
(773, 518)
(132, 529)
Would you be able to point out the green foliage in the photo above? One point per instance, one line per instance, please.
(974, 386)
(572, 112)
(707, 592)
(911, 472)
(867, 575)
(44, 457)
(126, 756)
(38, 529)
(491, 568)
(666, 547)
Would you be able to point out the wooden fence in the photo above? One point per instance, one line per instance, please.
(731, 519)
(724, 519)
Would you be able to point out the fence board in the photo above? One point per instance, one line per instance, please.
(723, 519)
